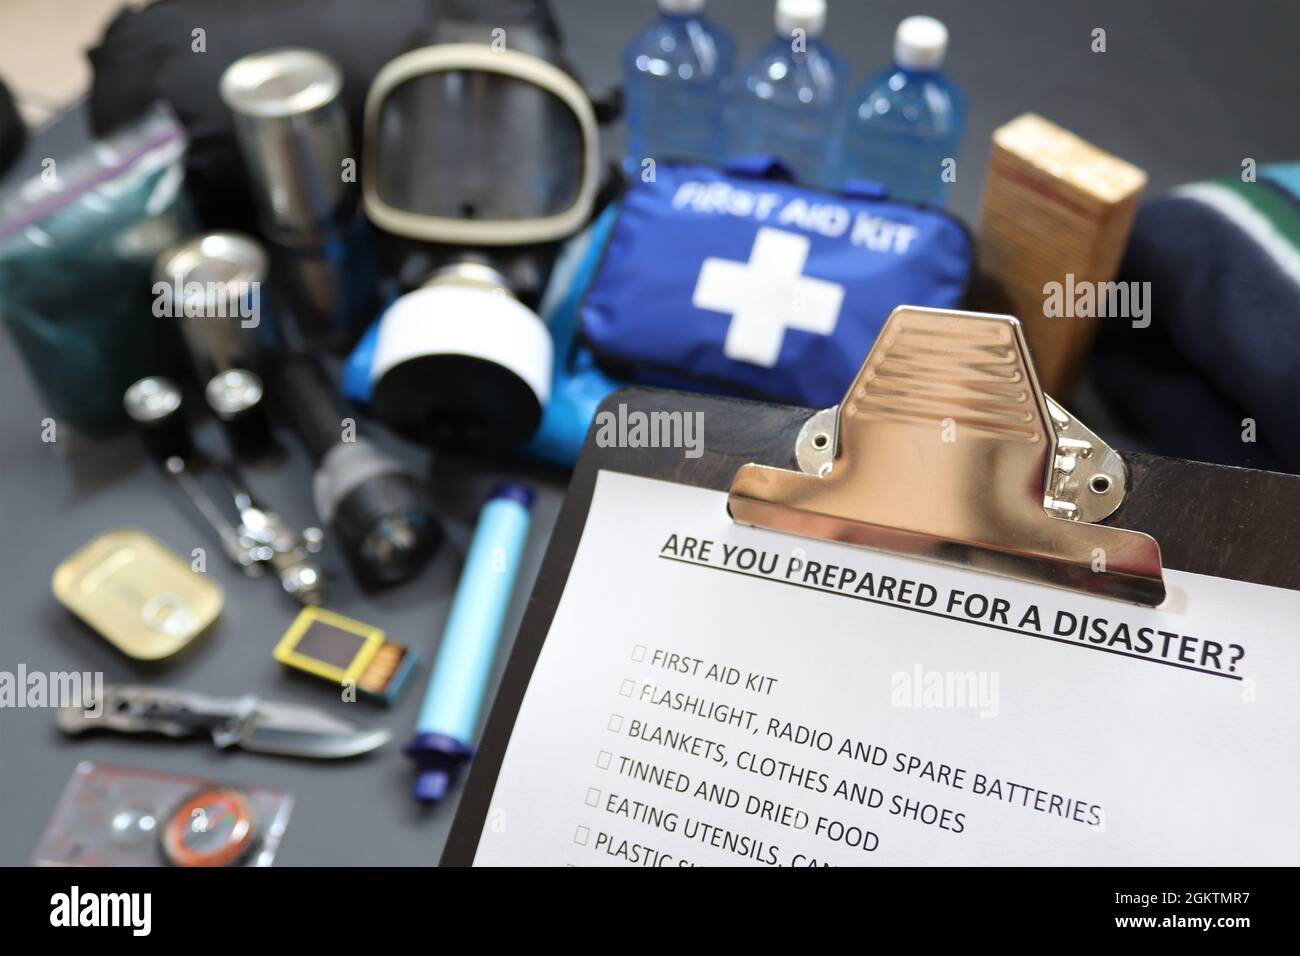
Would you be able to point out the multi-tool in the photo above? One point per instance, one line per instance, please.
(262, 538)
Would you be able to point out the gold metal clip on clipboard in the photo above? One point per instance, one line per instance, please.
(946, 448)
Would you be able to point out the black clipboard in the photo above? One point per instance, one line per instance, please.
(1208, 519)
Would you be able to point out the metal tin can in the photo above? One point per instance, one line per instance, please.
(293, 133)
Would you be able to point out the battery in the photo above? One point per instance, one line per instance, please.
(154, 404)
(237, 398)
(215, 285)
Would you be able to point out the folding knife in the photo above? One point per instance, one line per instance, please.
(247, 722)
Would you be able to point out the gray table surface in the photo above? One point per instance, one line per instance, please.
(1187, 90)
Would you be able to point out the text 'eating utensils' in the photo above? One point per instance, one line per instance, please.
(246, 722)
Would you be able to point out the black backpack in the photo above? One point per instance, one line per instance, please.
(150, 54)
(13, 133)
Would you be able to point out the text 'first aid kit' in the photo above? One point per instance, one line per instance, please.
(742, 282)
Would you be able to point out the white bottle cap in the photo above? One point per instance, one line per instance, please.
(920, 43)
(681, 6)
(806, 15)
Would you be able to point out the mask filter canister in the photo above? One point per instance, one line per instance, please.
(461, 362)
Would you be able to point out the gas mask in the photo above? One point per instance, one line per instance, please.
(483, 156)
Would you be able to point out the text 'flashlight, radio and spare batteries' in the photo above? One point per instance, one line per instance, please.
(444, 732)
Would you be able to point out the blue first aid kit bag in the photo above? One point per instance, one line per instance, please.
(740, 281)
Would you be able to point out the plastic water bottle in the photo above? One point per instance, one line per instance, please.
(675, 76)
(788, 99)
(904, 125)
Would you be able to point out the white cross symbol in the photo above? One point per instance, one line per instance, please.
(766, 296)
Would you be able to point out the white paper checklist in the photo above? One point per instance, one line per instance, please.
(712, 694)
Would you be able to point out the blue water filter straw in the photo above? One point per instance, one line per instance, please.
(452, 704)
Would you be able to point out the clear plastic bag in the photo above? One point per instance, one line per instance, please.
(77, 247)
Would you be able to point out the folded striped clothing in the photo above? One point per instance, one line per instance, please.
(1215, 375)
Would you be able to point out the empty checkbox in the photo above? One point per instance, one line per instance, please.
(593, 797)
(638, 653)
(582, 835)
(615, 722)
(625, 689)
(603, 759)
